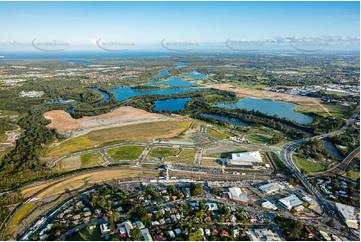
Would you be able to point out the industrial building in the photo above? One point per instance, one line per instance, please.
(271, 188)
(263, 234)
(236, 194)
(290, 202)
(349, 214)
(269, 205)
(245, 159)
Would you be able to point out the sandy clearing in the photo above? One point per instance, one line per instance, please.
(253, 93)
(62, 121)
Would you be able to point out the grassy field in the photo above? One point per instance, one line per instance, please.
(309, 166)
(172, 154)
(352, 175)
(258, 139)
(337, 111)
(3, 137)
(309, 107)
(68, 164)
(210, 162)
(77, 162)
(91, 159)
(20, 215)
(216, 134)
(162, 152)
(125, 152)
(137, 132)
(87, 234)
(277, 163)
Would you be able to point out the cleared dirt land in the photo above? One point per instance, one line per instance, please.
(62, 121)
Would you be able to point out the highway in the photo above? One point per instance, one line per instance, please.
(286, 156)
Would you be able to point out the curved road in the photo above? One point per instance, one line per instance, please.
(286, 156)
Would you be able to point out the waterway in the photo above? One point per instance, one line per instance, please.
(281, 109)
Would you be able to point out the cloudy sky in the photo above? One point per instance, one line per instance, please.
(187, 25)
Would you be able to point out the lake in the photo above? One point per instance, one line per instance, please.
(174, 82)
(232, 121)
(174, 104)
(124, 93)
(332, 150)
(281, 109)
(160, 75)
(195, 75)
(105, 95)
(181, 64)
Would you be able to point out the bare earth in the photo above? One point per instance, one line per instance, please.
(62, 121)
(253, 93)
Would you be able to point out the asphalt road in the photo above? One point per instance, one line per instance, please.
(286, 156)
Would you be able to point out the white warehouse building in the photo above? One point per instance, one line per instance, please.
(248, 159)
(290, 202)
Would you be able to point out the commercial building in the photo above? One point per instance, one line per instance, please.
(271, 188)
(269, 205)
(263, 234)
(245, 159)
(290, 202)
(236, 194)
(349, 214)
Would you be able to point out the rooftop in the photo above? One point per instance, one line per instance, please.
(254, 157)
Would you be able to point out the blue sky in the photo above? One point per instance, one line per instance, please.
(148, 23)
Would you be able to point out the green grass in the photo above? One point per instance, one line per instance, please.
(91, 159)
(87, 234)
(277, 163)
(352, 175)
(216, 134)
(21, 214)
(125, 152)
(258, 139)
(337, 111)
(185, 156)
(3, 137)
(173, 154)
(162, 152)
(309, 166)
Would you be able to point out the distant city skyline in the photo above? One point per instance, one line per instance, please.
(179, 26)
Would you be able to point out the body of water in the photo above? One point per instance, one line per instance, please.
(160, 75)
(105, 95)
(175, 82)
(124, 93)
(232, 121)
(174, 104)
(332, 150)
(195, 75)
(281, 109)
(181, 64)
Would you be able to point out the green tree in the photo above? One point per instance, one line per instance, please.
(135, 234)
